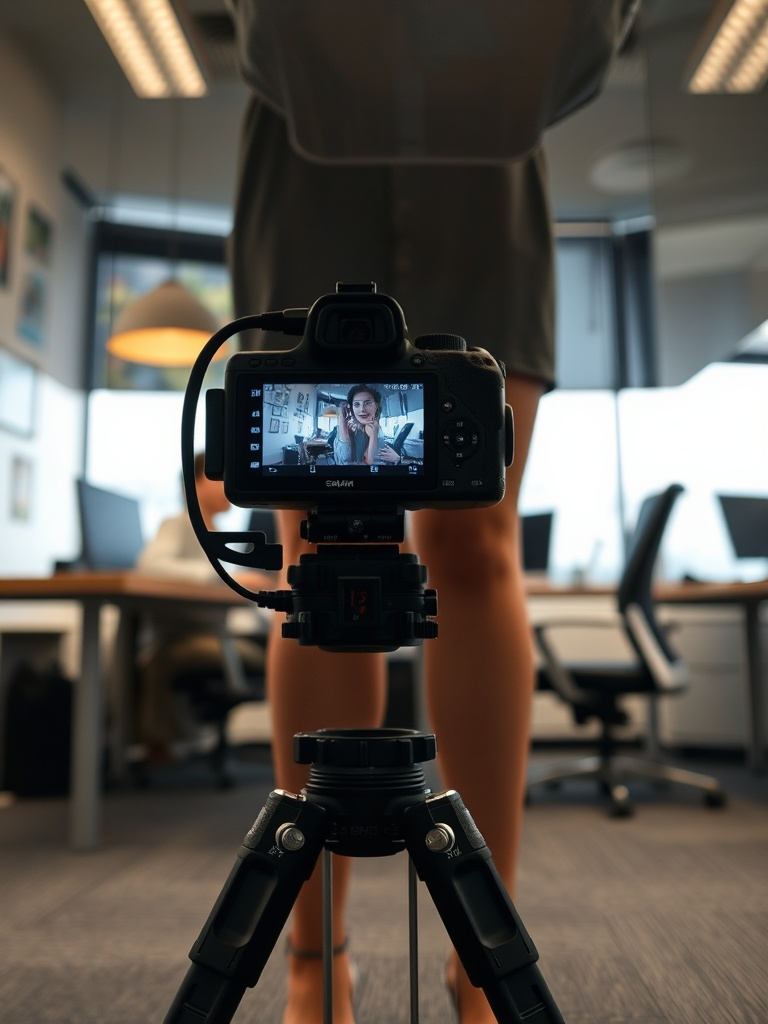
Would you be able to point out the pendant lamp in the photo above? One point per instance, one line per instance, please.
(166, 327)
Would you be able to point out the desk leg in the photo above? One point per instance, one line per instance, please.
(754, 703)
(121, 691)
(87, 728)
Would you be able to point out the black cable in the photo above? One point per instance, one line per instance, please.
(279, 322)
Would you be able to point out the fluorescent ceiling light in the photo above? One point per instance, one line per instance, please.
(732, 54)
(150, 46)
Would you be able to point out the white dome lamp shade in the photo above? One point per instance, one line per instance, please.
(166, 327)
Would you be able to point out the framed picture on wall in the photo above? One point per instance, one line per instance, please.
(274, 425)
(37, 243)
(18, 387)
(7, 203)
(38, 236)
(31, 325)
(21, 488)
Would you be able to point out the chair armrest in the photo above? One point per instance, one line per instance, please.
(563, 683)
(611, 620)
(234, 671)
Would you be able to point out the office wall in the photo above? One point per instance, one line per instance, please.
(38, 465)
(703, 317)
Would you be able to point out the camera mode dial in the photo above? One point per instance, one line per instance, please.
(441, 342)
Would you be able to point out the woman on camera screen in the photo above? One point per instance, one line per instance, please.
(357, 441)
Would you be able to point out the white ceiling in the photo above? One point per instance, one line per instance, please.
(714, 214)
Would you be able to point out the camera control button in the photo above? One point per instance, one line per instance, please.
(271, 361)
(447, 405)
(254, 362)
(462, 438)
(287, 361)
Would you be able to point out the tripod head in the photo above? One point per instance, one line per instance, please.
(365, 778)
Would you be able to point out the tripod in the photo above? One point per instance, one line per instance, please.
(365, 796)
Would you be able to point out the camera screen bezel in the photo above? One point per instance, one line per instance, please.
(254, 486)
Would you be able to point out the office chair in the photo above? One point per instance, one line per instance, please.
(595, 690)
(213, 693)
(401, 437)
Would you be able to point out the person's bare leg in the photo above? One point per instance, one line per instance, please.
(480, 671)
(308, 690)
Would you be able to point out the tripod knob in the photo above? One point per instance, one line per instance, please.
(440, 839)
(364, 748)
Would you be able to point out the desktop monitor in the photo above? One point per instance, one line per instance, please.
(110, 526)
(747, 522)
(536, 535)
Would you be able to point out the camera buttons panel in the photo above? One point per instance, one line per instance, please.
(462, 439)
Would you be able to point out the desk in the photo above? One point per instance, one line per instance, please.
(131, 593)
(750, 596)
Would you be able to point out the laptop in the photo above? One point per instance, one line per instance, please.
(747, 522)
(110, 527)
(536, 537)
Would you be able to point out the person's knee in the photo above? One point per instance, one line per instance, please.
(476, 552)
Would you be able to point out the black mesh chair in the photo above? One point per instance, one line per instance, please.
(214, 692)
(595, 690)
(401, 437)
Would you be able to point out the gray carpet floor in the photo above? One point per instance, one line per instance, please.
(657, 919)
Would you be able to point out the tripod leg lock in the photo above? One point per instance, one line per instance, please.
(277, 856)
(452, 859)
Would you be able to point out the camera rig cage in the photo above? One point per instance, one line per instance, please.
(358, 592)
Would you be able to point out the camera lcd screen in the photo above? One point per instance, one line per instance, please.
(304, 434)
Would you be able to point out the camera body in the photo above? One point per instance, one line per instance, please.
(357, 416)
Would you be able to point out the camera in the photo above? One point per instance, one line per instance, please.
(355, 425)
(357, 415)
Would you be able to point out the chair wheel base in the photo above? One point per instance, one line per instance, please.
(715, 799)
(621, 806)
(621, 809)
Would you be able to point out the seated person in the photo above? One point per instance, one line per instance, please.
(187, 639)
(357, 441)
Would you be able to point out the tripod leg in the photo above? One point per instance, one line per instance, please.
(413, 940)
(277, 856)
(327, 937)
(451, 858)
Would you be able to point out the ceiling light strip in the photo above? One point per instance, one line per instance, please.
(752, 72)
(731, 46)
(171, 45)
(129, 47)
(150, 46)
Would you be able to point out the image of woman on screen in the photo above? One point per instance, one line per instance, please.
(357, 441)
